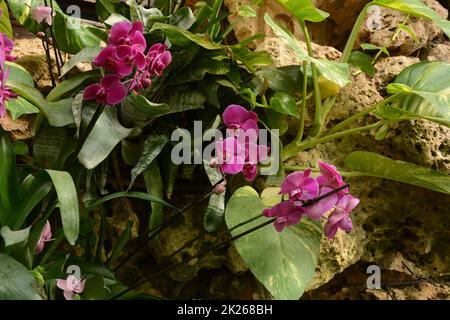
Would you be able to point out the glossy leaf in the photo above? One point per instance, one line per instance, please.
(375, 165)
(425, 91)
(13, 237)
(284, 103)
(154, 186)
(68, 203)
(17, 107)
(284, 262)
(105, 135)
(5, 24)
(153, 146)
(16, 282)
(363, 62)
(68, 86)
(304, 10)
(85, 55)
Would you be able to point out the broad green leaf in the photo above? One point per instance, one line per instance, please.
(425, 89)
(68, 203)
(17, 107)
(181, 98)
(285, 104)
(183, 18)
(279, 80)
(68, 86)
(153, 146)
(154, 186)
(71, 35)
(85, 55)
(284, 262)
(105, 135)
(375, 165)
(304, 10)
(137, 110)
(105, 8)
(19, 74)
(10, 194)
(249, 58)
(13, 237)
(363, 62)
(5, 24)
(182, 37)
(59, 114)
(199, 68)
(415, 8)
(16, 282)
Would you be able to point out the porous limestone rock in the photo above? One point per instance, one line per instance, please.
(440, 52)
(388, 68)
(36, 65)
(404, 43)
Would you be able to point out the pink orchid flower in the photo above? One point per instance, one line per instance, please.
(340, 218)
(128, 34)
(158, 59)
(71, 286)
(230, 156)
(46, 236)
(237, 117)
(107, 59)
(254, 154)
(318, 209)
(287, 214)
(300, 186)
(110, 91)
(5, 93)
(331, 178)
(8, 45)
(43, 14)
(127, 58)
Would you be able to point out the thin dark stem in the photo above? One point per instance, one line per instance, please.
(58, 57)
(49, 60)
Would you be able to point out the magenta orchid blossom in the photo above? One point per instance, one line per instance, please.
(46, 236)
(110, 91)
(286, 214)
(71, 286)
(340, 218)
(300, 186)
(230, 156)
(314, 198)
(6, 46)
(124, 59)
(237, 117)
(43, 14)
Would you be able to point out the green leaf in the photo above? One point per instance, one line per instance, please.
(105, 135)
(182, 37)
(17, 107)
(68, 86)
(249, 58)
(154, 186)
(5, 24)
(68, 203)
(71, 35)
(369, 46)
(10, 194)
(336, 72)
(425, 89)
(375, 165)
(284, 262)
(117, 251)
(19, 74)
(247, 11)
(153, 146)
(304, 10)
(285, 104)
(363, 62)
(182, 98)
(279, 80)
(59, 114)
(137, 110)
(147, 16)
(199, 68)
(136, 195)
(13, 237)
(416, 8)
(21, 148)
(16, 282)
(85, 55)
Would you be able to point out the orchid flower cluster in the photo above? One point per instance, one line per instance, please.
(240, 151)
(300, 187)
(6, 48)
(124, 57)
